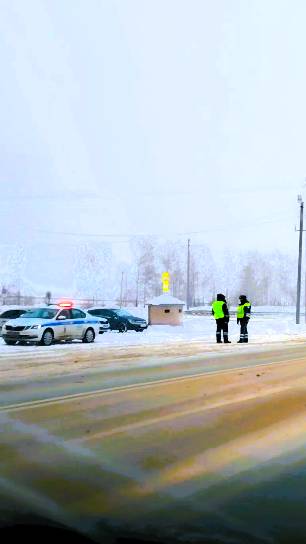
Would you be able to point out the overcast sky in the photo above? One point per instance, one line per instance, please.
(152, 117)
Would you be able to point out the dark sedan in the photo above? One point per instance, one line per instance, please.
(120, 320)
(11, 313)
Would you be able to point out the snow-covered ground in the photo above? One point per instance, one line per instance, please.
(159, 345)
(262, 329)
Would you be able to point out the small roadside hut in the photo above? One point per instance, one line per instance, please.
(165, 310)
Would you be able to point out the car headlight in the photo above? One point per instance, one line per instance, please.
(133, 322)
(36, 327)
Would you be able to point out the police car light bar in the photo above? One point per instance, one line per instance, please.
(65, 304)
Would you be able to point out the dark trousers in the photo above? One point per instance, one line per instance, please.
(244, 335)
(222, 325)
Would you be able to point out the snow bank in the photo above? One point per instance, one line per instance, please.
(262, 329)
(153, 347)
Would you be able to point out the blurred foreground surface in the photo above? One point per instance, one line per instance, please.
(200, 450)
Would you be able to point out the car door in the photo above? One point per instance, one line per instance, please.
(116, 321)
(62, 330)
(78, 324)
(112, 319)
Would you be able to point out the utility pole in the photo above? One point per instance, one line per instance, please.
(188, 274)
(305, 292)
(126, 288)
(137, 287)
(144, 295)
(121, 289)
(299, 277)
(305, 284)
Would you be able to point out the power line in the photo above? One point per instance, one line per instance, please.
(156, 235)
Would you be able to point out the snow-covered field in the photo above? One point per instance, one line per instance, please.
(262, 329)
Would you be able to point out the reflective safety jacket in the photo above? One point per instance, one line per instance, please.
(244, 310)
(217, 309)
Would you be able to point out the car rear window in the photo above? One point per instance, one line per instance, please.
(98, 312)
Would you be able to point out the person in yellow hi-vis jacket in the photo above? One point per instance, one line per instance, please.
(243, 317)
(221, 315)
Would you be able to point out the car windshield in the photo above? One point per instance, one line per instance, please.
(40, 313)
(123, 313)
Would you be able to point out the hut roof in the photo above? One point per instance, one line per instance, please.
(165, 300)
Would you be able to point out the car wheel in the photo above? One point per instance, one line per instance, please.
(140, 330)
(47, 338)
(10, 342)
(89, 336)
(122, 327)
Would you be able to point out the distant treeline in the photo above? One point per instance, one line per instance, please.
(267, 278)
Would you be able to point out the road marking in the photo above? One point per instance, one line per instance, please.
(175, 415)
(142, 385)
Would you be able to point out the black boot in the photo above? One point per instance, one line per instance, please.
(242, 338)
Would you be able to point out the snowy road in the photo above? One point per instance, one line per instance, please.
(97, 373)
(158, 430)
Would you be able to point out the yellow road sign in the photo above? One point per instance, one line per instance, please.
(166, 281)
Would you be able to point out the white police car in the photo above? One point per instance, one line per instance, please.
(50, 324)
